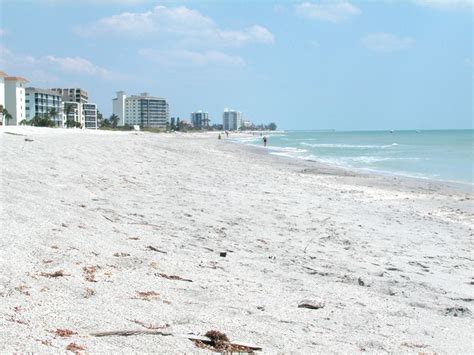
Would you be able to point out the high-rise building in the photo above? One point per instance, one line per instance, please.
(200, 119)
(15, 98)
(90, 115)
(231, 119)
(40, 102)
(118, 107)
(143, 110)
(77, 108)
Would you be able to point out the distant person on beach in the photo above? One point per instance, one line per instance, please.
(265, 141)
(227, 134)
(219, 136)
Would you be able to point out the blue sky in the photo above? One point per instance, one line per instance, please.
(302, 64)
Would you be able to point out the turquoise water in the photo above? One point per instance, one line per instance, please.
(440, 155)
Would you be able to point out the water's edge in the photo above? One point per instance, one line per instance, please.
(454, 184)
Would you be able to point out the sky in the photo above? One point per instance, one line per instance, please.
(345, 65)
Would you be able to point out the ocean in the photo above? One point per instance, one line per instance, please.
(445, 155)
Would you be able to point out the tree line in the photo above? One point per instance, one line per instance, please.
(49, 119)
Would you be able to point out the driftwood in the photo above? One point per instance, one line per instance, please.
(127, 333)
(159, 332)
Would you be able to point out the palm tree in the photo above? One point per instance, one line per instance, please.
(68, 109)
(53, 114)
(6, 116)
(114, 119)
(100, 117)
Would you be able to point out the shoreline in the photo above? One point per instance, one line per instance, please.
(452, 184)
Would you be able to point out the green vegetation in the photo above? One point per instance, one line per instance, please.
(261, 127)
(272, 126)
(111, 123)
(53, 114)
(178, 125)
(6, 116)
(68, 108)
(44, 121)
(39, 121)
(114, 120)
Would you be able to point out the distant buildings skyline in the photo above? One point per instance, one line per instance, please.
(200, 119)
(41, 101)
(61, 105)
(143, 110)
(231, 119)
(75, 107)
(69, 107)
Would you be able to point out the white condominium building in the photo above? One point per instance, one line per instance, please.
(15, 98)
(143, 110)
(231, 119)
(41, 102)
(80, 115)
(118, 107)
(76, 109)
(200, 119)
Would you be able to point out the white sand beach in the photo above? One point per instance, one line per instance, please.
(96, 225)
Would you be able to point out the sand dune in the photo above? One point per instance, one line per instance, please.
(104, 231)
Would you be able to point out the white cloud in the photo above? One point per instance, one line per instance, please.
(47, 68)
(180, 23)
(26, 66)
(446, 4)
(78, 65)
(257, 34)
(178, 57)
(386, 42)
(335, 12)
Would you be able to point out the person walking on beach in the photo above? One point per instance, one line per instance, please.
(227, 134)
(219, 136)
(265, 141)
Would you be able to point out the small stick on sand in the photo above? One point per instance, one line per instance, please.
(152, 248)
(127, 333)
(173, 277)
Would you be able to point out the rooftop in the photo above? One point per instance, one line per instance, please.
(16, 78)
(43, 91)
(145, 97)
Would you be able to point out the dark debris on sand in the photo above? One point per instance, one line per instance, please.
(221, 343)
